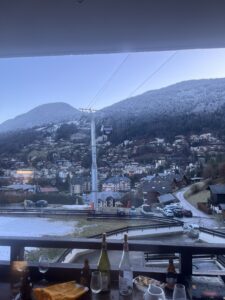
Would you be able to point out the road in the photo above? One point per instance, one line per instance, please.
(187, 205)
(198, 216)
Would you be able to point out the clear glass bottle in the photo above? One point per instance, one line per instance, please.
(125, 271)
(104, 266)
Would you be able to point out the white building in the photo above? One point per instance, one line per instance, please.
(117, 184)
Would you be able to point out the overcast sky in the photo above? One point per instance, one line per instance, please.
(28, 82)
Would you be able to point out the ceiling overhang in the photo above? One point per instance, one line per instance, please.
(59, 27)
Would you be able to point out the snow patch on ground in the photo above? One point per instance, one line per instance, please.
(33, 227)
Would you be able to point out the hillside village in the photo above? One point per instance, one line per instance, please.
(56, 166)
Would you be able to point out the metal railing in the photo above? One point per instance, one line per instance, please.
(213, 232)
(185, 250)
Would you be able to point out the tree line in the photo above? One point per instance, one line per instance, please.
(169, 126)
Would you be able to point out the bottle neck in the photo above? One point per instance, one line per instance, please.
(125, 259)
(125, 247)
(171, 268)
(104, 246)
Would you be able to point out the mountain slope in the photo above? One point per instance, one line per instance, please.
(187, 101)
(43, 114)
(194, 96)
(194, 106)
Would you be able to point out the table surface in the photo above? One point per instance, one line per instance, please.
(5, 292)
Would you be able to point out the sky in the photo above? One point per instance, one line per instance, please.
(99, 80)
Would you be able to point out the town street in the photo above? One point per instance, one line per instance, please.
(198, 216)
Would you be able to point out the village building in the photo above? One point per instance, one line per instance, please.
(23, 176)
(108, 199)
(15, 193)
(80, 185)
(150, 191)
(117, 184)
(217, 195)
(15, 189)
(167, 199)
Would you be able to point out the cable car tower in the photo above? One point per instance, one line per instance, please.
(94, 169)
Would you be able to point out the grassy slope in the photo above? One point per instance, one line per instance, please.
(198, 197)
(201, 196)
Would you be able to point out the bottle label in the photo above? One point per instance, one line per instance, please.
(128, 275)
(126, 282)
(105, 281)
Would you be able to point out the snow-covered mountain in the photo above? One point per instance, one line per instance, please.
(43, 114)
(194, 96)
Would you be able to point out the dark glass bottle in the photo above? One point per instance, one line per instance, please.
(171, 276)
(26, 286)
(85, 278)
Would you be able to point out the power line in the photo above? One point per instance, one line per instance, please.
(153, 74)
(94, 99)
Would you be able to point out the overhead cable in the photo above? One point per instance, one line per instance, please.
(153, 73)
(95, 98)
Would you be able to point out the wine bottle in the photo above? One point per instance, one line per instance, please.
(171, 276)
(104, 266)
(26, 287)
(85, 274)
(125, 271)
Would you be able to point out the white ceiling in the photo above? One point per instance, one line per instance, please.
(55, 27)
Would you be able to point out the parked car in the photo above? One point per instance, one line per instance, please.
(121, 213)
(168, 213)
(28, 203)
(146, 210)
(178, 213)
(158, 209)
(173, 206)
(41, 203)
(133, 211)
(187, 213)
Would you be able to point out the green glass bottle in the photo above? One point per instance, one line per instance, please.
(104, 266)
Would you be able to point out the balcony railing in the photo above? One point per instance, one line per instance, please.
(186, 251)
